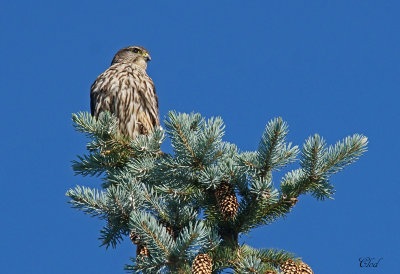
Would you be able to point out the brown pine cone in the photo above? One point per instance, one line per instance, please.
(226, 199)
(202, 264)
(142, 251)
(289, 267)
(304, 268)
(134, 238)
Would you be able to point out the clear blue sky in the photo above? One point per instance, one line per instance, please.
(327, 67)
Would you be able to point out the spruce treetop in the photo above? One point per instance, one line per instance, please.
(186, 210)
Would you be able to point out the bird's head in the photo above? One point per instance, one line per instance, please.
(136, 55)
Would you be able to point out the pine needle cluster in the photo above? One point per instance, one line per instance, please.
(186, 210)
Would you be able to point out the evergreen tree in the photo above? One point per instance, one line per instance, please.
(185, 211)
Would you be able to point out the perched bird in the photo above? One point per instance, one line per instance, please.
(126, 91)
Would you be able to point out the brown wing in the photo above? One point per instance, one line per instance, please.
(102, 92)
(150, 104)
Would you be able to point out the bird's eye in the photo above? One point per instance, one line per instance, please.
(135, 50)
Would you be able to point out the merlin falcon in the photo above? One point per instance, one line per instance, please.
(126, 91)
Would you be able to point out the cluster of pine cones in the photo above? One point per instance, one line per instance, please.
(228, 206)
(202, 264)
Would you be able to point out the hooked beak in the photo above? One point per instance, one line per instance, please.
(146, 57)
